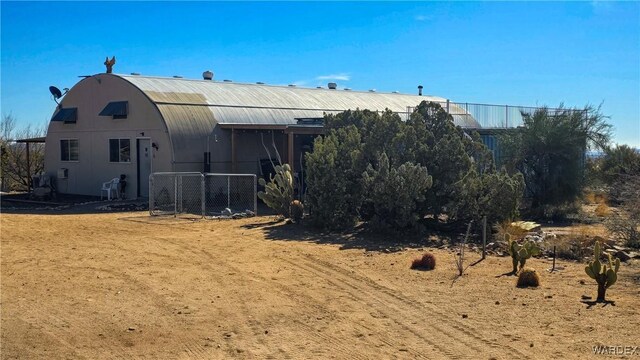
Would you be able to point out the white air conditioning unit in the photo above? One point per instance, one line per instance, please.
(63, 173)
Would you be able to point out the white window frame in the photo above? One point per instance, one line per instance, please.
(69, 150)
(120, 161)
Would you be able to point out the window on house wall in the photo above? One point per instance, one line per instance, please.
(69, 150)
(116, 109)
(119, 150)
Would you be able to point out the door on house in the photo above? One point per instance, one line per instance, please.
(144, 166)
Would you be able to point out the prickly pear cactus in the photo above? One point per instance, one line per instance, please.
(605, 277)
(278, 192)
(520, 253)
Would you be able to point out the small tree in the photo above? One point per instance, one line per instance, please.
(13, 156)
(550, 150)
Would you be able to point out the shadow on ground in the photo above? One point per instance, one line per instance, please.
(64, 204)
(356, 239)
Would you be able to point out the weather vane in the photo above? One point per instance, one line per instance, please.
(109, 64)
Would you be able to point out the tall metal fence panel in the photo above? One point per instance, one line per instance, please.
(173, 193)
(226, 193)
(192, 194)
(487, 116)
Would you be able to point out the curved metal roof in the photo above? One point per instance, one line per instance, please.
(206, 102)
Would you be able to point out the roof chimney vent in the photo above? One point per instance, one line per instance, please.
(332, 86)
(207, 75)
(420, 90)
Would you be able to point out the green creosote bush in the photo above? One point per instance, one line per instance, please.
(605, 277)
(278, 192)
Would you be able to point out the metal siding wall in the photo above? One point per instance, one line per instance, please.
(93, 132)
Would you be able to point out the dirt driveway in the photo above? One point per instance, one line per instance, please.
(126, 286)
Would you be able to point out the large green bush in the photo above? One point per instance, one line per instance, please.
(373, 167)
(393, 193)
(334, 170)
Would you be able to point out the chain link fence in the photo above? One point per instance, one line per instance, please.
(202, 195)
(234, 193)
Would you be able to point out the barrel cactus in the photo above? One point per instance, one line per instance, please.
(426, 262)
(278, 192)
(520, 253)
(605, 277)
(297, 211)
(528, 277)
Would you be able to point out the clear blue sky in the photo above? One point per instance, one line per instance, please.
(536, 53)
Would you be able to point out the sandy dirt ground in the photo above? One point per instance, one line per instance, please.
(127, 286)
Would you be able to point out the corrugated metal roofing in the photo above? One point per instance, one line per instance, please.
(206, 102)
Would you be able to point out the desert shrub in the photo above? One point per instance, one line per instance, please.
(549, 151)
(393, 193)
(334, 170)
(278, 192)
(528, 277)
(506, 227)
(346, 183)
(625, 226)
(500, 196)
(426, 262)
(602, 210)
(616, 167)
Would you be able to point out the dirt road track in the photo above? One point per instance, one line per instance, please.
(123, 286)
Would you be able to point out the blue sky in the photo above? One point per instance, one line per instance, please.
(534, 53)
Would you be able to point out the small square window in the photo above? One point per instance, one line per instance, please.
(69, 150)
(120, 150)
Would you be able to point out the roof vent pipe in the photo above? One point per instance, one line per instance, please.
(207, 75)
(419, 90)
(332, 86)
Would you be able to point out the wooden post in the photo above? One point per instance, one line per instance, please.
(28, 170)
(233, 151)
(290, 151)
(484, 237)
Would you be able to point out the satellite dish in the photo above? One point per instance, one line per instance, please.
(57, 94)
